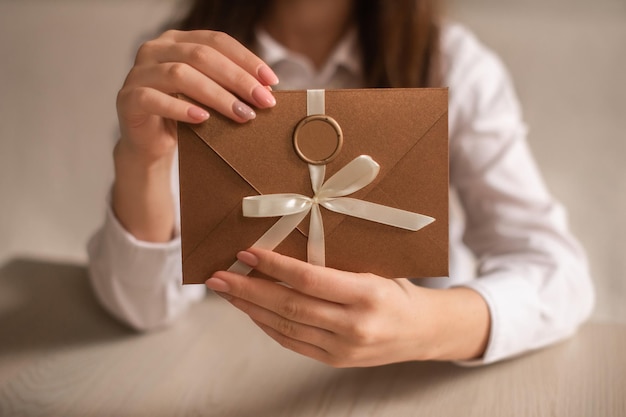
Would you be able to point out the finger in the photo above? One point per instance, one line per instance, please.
(303, 348)
(218, 67)
(136, 104)
(177, 77)
(316, 281)
(292, 329)
(230, 48)
(280, 300)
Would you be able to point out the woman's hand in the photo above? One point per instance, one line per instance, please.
(211, 68)
(346, 319)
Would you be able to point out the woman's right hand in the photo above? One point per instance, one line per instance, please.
(210, 67)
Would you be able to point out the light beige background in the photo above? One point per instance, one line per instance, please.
(62, 62)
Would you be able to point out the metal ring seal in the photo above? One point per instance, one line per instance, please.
(297, 135)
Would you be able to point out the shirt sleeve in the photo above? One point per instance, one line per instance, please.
(530, 270)
(140, 283)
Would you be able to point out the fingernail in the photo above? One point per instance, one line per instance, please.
(263, 97)
(267, 75)
(248, 258)
(242, 110)
(197, 113)
(217, 285)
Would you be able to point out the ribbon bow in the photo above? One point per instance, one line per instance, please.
(293, 208)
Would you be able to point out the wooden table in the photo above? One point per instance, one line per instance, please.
(62, 355)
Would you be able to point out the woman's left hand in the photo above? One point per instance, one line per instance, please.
(341, 318)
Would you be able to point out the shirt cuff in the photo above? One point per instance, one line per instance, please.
(132, 251)
(512, 303)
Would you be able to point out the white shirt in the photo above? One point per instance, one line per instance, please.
(509, 238)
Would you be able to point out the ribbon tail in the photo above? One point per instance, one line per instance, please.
(378, 213)
(316, 252)
(272, 238)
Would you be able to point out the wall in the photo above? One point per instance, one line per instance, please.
(63, 62)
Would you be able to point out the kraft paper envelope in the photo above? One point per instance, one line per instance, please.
(405, 131)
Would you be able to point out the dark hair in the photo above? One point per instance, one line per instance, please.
(399, 38)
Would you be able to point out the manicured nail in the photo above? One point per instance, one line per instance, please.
(217, 285)
(267, 75)
(197, 113)
(263, 97)
(242, 110)
(248, 258)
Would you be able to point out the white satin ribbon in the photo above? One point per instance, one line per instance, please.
(293, 208)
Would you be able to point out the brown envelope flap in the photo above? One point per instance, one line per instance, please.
(386, 124)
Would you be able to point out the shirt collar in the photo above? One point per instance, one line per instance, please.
(346, 54)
